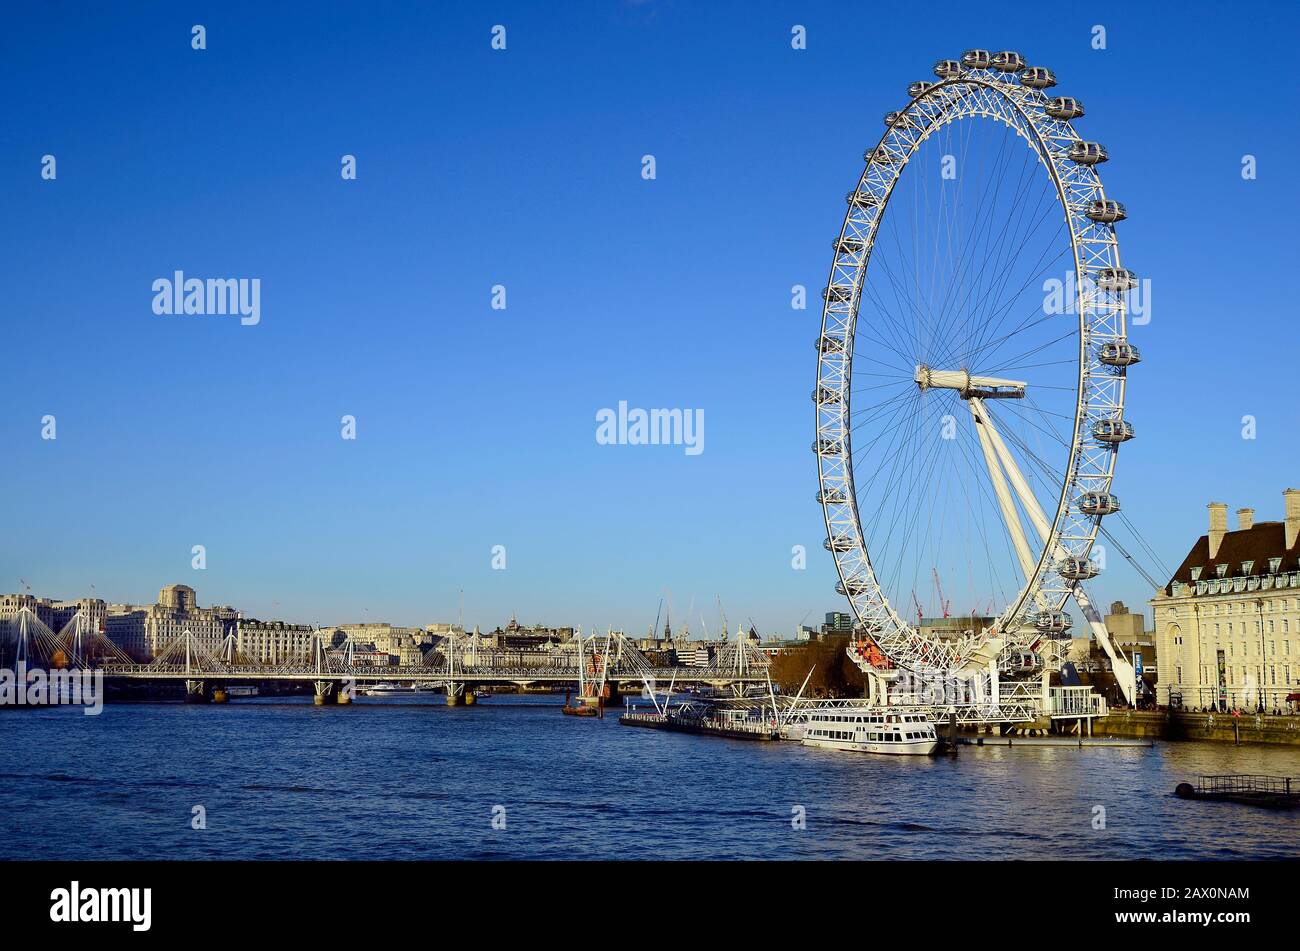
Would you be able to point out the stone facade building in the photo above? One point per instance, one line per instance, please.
(273, 642)
(146, 630)
(1228, 622)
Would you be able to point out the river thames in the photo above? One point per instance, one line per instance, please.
(411, 778)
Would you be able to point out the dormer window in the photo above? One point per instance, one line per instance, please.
(1196, 573)
(1246, 567)
(1221, 571)
(1273, 565)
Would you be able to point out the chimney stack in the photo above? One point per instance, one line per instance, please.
(1219, 524)
(1245, 519)
(1292, 498)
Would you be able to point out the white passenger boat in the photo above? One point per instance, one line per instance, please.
(871, 730)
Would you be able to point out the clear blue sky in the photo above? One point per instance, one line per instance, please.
(476, 427)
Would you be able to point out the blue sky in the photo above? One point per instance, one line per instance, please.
(522, 167)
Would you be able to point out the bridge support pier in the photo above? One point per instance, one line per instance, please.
(470, 697)
(196, 691)
(219, 693)
(326, 693)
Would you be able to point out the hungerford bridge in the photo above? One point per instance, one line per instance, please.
(602, 662)
(601, 667)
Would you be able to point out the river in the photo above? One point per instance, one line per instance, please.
(409, 778)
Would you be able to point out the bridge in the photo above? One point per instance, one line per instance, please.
(600, 663)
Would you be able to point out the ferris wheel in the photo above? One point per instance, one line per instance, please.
(971, 369)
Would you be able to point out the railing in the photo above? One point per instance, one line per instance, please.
(1247, 783)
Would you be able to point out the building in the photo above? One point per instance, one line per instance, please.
(837, 622)
(146, 631)
(1128, 633)
(406, 644)
(1227, 625)
(53, 613)
(273, 642)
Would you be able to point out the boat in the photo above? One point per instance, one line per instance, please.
(385, 689)
(585, 707)
(871, 730)
(707, 719)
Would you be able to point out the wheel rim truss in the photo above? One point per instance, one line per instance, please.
(1101, 316)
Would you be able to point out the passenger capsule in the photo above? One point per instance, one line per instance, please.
(839, 543)
(828, 446)
(1112, 431)
(1119, 353)
(880, 157)
(1107, 210)
(1063, 107)
(976, 59)
(1098, 503)
(826, 396)
(947, 69)
(1052, 623)
(1117, 280)
(1087, 153)
(901, 120)
(919, 89)
(1008, 61)
(837, 293)
(861, 199)
(1037, 77)
(833, 496)
(1077, 569)
(851, 589)
(828, 344)
(849, 246)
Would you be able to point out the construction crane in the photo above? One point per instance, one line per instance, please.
(943, 602)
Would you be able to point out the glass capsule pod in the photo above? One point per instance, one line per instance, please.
(880, 157)
(1119, 353)
(826, 396)
(849, 246)
(851, 590)
(976, 59)
(1037, 77)
(1077, 569)
(1052, 623)
(837, 293)
(839, 543)
(1112, 431)
(919, 89)
(861, 199)
(828, 446)
(1008, 61)
(947, 69)
(1106, 210)
(1098, 503)
(1087, 153)
(1063, 107)
(828, 344)
(1116, 280)
(902, 120)
(832, 496)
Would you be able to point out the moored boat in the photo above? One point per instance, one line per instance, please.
(871, 730)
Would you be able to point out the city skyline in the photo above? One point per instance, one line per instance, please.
(476, 427)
